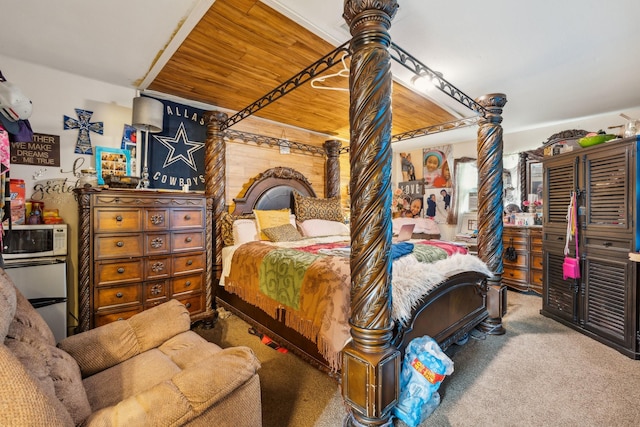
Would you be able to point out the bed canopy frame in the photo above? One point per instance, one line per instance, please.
(371, 364)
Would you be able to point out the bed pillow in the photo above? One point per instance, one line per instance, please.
(271, 218)
(244, 230)
(323, 227)
(283, 233)
(315, 208)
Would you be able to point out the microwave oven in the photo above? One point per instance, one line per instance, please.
(34, 241)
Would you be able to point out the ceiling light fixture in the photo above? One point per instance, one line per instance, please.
(423, 83)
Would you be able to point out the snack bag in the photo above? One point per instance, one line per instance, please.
(423, 369)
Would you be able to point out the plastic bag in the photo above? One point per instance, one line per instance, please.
(423, 369)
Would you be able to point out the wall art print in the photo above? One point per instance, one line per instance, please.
(112, 161)
(176, 155)
(85, 127)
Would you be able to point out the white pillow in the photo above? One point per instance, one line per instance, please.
(244, 230)
(323, 227)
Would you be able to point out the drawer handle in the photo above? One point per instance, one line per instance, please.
(157, 242)
(188, 305)
(189, 262)
(119, 295)
(120, 318)
(187, 283)
(119, 218)
(157, 266)
(607, 244)
(120, 270)
(187, 217)
(120, 244)
(188, 239)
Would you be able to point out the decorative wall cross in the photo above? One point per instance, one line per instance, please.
(84, 125)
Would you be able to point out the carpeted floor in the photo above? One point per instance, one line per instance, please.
(540, 373)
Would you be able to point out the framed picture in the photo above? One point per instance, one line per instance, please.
(112, 161)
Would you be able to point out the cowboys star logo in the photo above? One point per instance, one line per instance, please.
(180, 148)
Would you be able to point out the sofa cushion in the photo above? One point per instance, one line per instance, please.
(33, 344)
(108, 345)
(174, 399)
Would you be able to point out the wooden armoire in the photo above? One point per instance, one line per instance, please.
(603, 303)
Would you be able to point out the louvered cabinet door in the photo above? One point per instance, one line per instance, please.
(560, 296)
(609, 190)
(608, 305)
(560, 179)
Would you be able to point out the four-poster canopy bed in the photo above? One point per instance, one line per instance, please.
(371, 360)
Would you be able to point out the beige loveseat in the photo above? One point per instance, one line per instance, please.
(148, 370)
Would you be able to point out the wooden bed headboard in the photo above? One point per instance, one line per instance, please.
(273, 189)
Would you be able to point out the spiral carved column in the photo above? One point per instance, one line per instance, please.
(491, 205)
(371, 365)
(332, 168)
(84, 260)
(214, 188)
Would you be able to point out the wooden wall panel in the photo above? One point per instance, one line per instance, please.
(244, 161)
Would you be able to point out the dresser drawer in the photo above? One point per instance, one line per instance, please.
(104, 318)
(109, 220)
(155, 290)
(536, 277)
(522, 260)
(117, 246)
(187, 218)
(156, 219)
(157, 243)
(194, 303)
(157, 267)
(183, 241)
(121, 271)
(516, 274)
(189, 263)
(118, 295)
(187, 283)
(536, 261)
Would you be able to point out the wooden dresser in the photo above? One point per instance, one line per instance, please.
(525, 272)
(137, 249)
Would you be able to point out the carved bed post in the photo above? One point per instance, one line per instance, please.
(491, 206)
(332, 168)
(214, 189)
(371, 364)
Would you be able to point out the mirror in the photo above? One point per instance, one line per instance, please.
(534, 182)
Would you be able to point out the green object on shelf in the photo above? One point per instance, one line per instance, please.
(588, 141)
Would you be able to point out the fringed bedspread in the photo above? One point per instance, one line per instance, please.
(306, 284)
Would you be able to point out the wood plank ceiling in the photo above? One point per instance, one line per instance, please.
(242, 49)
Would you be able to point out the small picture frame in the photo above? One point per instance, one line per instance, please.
(112, 161)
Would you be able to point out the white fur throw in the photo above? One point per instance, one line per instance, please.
(412, 280)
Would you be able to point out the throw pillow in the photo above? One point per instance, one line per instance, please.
(315, 208)
(271, 218)
(282, 233)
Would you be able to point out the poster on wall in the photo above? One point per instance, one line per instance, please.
(408, 196)
(176, 155)
(438, 182)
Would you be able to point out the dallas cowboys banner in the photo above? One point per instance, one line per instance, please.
(176, 155)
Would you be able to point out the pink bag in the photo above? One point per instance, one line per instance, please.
(571, 266)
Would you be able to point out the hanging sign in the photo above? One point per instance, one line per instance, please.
(176, 155)
(44, 150)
